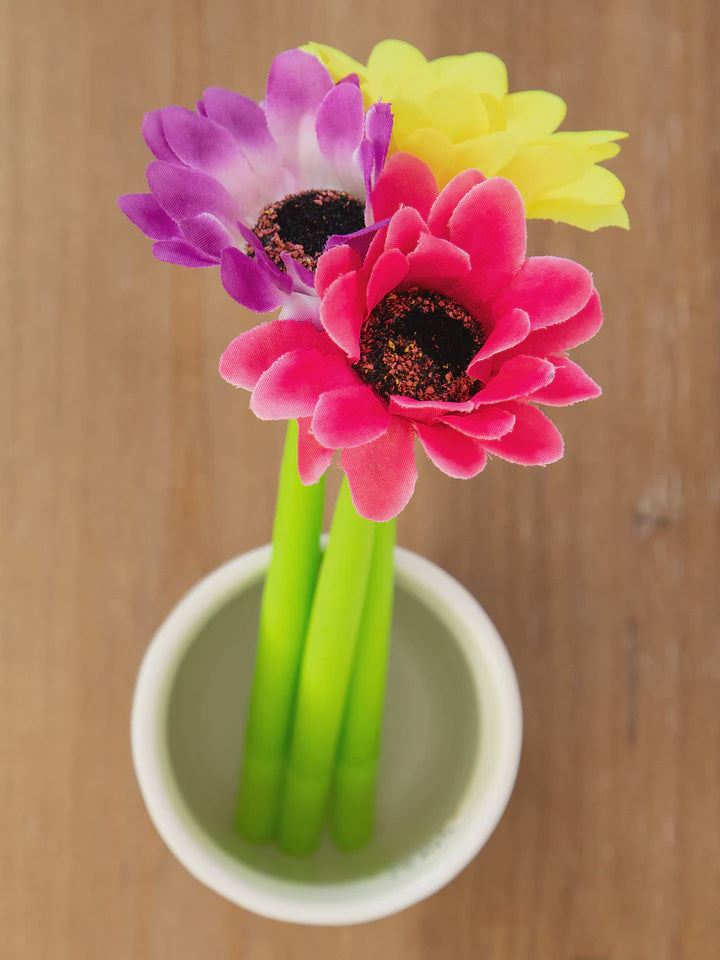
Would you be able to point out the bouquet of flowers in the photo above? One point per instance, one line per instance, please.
(382, 209)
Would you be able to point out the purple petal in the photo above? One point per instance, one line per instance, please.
(339, 122)
(359, 241)
(244, 118)
(378, 130)
(302, 278)
(250, 284)
(181, 252)
(198, 142)
(143, 210)
(296, 86)
(207, 234)
(185, 193)
(152, 131)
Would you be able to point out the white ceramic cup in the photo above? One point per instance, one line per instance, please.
(451, 748)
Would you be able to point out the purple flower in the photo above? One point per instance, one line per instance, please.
(260, 188)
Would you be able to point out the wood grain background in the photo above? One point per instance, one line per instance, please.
(129, 469)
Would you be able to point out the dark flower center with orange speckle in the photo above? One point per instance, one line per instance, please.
(302, 223)
(418, 343)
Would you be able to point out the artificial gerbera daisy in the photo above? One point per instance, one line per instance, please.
(259, 188)
(456, 113)
(439, 329)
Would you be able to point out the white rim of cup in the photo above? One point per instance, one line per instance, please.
(352, 901)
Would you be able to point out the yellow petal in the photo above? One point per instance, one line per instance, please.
(339, 64)
(435, 149)
(391, 61)
(458, 113)
(587, 216)
(588, 137)
(487, 154)
(537, 168)
(408, 115)
(598, 186)
(479, 72)
(604, 151)
(533, 113)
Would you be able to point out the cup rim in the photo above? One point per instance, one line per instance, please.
(352, 901)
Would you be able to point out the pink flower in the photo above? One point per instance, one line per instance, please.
(441, 329)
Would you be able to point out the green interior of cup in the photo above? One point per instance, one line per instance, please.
(431, 737)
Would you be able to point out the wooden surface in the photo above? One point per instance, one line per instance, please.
(129, 469)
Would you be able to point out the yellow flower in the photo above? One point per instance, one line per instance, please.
(456, 112)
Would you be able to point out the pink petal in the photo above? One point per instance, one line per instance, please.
(405, 229)
(154, 137)
(564, 336)
(255, 351)
(199, 142)
(570, 385)
(390, 270)
(294, 384)
(454, 453)
(349, 417)
(549, 289)
(333, 264)
(444, 207)
(436, 260)
(489, 222)
(510, 329)
(518, 377)
(533, 441)
(342, 312)
(244, 118)
(313, 459)
(382, 473)
(405, 181)
(206, 233)
(427, 411)
(487, 423)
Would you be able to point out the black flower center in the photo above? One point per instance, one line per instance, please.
(302, 223)
(418, 343)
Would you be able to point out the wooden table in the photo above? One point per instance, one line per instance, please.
(129, 469)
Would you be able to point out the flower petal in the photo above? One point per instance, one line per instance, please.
(548, 289)
(382, 473)
(405, 229)
(342, 312)
(185, 193)
(255, 351)
(486, 423)
(405, 181)
(564, 336)
(250, 283)
(427, 411)
(510, 329)
(569, 385)
(390, 270)
(339, 122)
(181, 252)
(199, 142)
(145, 212)
(244, 118)
(313, 459)
(292, 386)
(349, 417)
(207, 234)
(454, 453)
(444, 207)
(154, 137)
(533, 441)
(489, 222)
(296, 86)
(335, 262)
(517, 377)
(435, 260)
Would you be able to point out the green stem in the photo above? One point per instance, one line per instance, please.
(284, 612)
(353, 802)
(325, 676)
